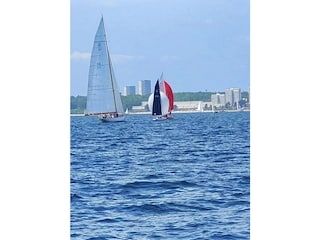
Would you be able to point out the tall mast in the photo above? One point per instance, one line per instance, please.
(110, 70)
(111, 74)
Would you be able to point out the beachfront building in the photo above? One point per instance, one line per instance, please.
(129, 90)
(218, 100)
(144, 87)
(179, 106)
(233, 96)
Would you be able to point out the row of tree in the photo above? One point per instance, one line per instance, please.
(78, 103)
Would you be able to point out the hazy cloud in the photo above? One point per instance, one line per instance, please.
(80, 56)
(116, 58)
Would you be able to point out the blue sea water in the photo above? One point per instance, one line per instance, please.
(185, 178)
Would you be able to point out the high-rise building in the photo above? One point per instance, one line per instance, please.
(229, 96)
(218, 100)
(233, 96)
(129, 90)
(236, 95)
(144, 87)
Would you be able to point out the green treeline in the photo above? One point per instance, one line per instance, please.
(193, 96)
(133, 100)
(78, 103)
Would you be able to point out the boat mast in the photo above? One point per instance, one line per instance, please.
(110, 70)
(111, 74)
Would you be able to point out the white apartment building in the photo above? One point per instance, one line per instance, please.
(218, 100)
(144, 87)
(129, 90)
(233, 96)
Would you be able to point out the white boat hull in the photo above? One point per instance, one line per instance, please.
(160, 118)
(112, 119)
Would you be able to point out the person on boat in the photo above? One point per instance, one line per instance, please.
(168, 115)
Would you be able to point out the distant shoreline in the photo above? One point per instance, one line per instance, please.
(188, 111)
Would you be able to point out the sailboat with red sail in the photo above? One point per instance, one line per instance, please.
(161, 101)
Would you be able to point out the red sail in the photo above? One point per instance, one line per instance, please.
(169, 94)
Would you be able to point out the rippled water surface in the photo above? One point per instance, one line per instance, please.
(186, 178)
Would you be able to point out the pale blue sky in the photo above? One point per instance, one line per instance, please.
(199, 44)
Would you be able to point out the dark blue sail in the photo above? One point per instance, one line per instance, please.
(156, 110)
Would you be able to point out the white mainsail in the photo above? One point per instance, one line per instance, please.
(103, 95)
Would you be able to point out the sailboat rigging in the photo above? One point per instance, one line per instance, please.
(103, 97)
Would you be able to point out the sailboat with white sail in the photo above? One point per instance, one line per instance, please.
(103, 96)
(200, 108)
(161, 100)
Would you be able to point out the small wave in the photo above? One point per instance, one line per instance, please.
(75, 197)
(73, 180)
(108, 220)
(238, 194)
(151, 208)
(225, 236)
(161, 184)
(245, 179)
(236, 203)
(75, 235)
(191, 207)
(152, 176)
(97, 238)
(100, 208)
